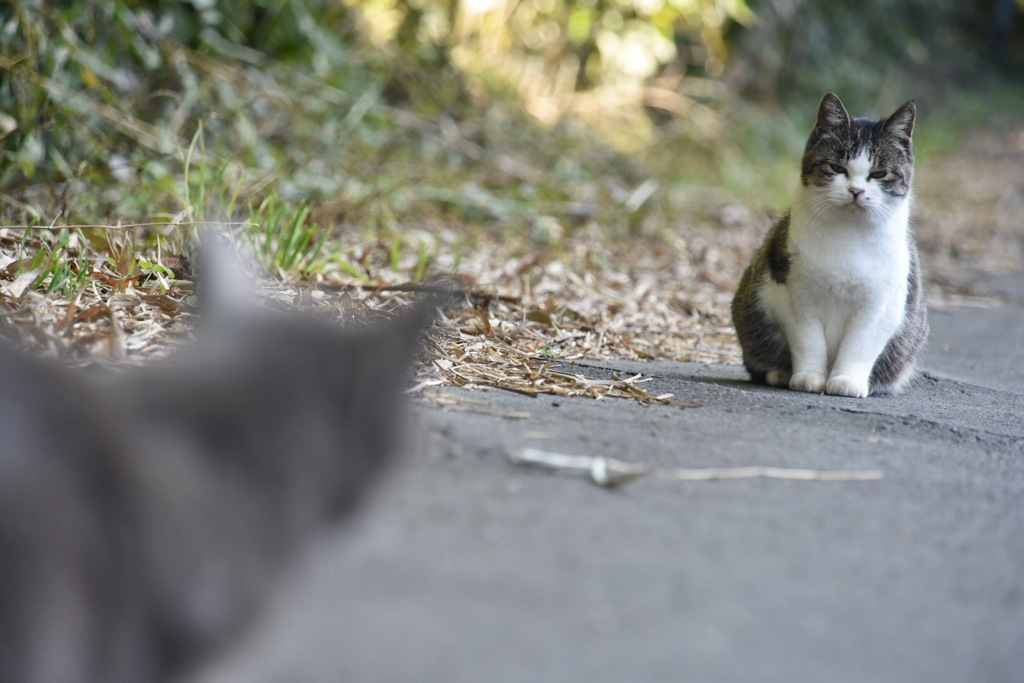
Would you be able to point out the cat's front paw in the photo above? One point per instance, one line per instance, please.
(777, 378)
(845, 385)
(811, 382)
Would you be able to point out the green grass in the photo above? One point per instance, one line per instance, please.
(991, 104)
(284, 238)
(57, 272)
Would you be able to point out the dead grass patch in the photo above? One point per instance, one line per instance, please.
(523, 308)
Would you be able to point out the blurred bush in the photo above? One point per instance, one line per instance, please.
(801, 47)
(561, 57)
(111, 92)
(80, 77)
(115, 90)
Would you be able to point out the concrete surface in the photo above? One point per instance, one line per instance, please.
(467, 568)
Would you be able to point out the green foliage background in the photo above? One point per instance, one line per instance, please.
(383, 113)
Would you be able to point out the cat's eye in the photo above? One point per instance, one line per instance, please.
(878, 175)
(836, 168)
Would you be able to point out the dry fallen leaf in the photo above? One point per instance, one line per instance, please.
(16, 288)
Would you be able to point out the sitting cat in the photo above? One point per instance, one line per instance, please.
(144, 516)
(833, 299)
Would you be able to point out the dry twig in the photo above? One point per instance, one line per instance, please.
(605, 471)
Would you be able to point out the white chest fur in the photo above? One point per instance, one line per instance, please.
(846, 266)
(845, 293)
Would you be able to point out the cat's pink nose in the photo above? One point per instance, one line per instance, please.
(856, 192)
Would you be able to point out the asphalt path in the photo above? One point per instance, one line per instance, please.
(468, 568)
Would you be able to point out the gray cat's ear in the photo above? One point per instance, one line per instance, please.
(223, 286)
(902, 121)
(832, 113)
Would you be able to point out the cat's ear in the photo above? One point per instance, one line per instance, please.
(391, 345)
(223, 286)
(902, 122)
(832, 113)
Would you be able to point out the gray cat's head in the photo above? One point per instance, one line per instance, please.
(859, 164)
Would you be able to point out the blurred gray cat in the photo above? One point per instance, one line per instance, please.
(833, 299)
(145, 517)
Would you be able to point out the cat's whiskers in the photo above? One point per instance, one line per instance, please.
(881, 212)
(820, 205)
